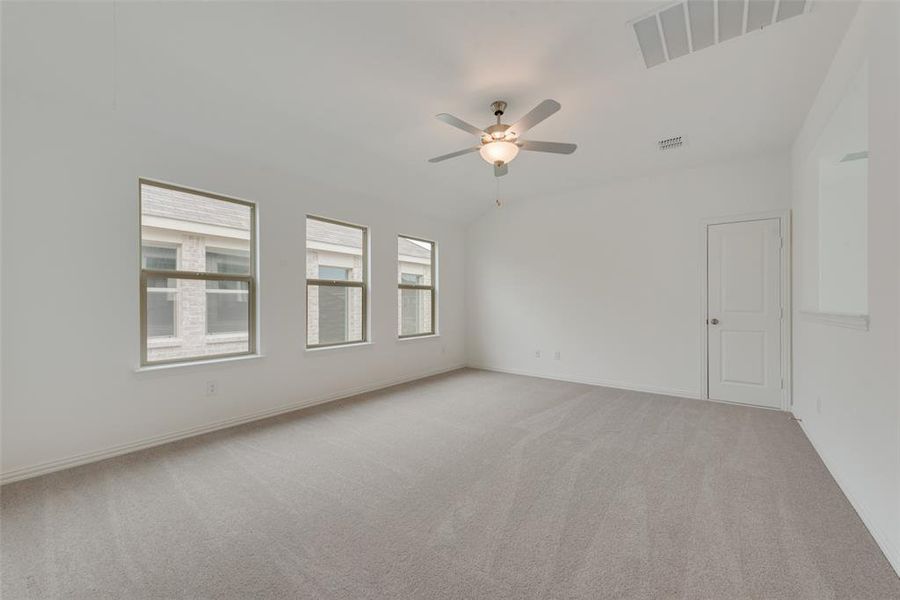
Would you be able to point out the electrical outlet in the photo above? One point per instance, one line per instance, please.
(557, 355)
(212, 388)
(537, 353)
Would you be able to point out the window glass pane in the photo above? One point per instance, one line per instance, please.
(227, 302)
(194, 222)
(336, 273)
(333, 246)
(227, 307)
(229, 262)
(334, 314)
(415, 312)
(180, 315)
(159, 257)
(232, 262)
(161, 305)
(414, 261)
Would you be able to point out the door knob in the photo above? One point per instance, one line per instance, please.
(714, 321)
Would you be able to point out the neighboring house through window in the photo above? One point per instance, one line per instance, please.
(162, 295)
(226, 301)
(416, 290)
(336, 280)
(197, 274)
(334, 306)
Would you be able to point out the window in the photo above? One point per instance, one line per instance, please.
(197, 275)
(161, 292)
(334, 307)
(416, 291)
(226, 301)
(336, 280)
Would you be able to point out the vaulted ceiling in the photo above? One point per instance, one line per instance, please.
(347, 92)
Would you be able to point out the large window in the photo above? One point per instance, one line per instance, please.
(336, 279)
(416, 290)
(197, 275)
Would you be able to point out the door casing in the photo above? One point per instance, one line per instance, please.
(784, 217)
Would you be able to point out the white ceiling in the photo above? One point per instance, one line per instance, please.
(347, 92)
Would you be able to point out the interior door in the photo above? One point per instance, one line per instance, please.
(744, 312)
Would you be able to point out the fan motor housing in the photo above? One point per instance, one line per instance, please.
(496, 131)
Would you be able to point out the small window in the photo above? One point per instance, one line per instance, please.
(336, 280)
(197, 275)
(416, 299)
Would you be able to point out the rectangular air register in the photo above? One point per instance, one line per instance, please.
(692, 25)
(671, 143)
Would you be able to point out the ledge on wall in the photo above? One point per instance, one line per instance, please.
(848, 321)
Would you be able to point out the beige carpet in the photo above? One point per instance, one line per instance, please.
(468, 485)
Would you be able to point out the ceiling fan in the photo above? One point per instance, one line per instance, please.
(500, 143)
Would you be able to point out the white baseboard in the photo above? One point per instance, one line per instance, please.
(679, 393)
(890, 552)
(98, 455)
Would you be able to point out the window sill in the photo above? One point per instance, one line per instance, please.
(197, 363)
(858, 322)
(225, 338)
(340, 346)
(163, 343)
(426, 336)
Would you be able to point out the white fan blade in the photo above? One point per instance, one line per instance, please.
(537, 114)
(501, 170)
(453, 154)
(555, 147)
(460, 124)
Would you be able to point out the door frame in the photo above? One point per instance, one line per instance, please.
(784, 217)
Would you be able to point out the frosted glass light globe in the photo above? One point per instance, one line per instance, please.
(500, 151)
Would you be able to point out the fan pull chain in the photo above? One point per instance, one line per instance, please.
(499, 204)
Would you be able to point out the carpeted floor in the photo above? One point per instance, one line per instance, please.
(468, 485)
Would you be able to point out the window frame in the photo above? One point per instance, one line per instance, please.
(145, 274)
(411, 286)
(362, 285)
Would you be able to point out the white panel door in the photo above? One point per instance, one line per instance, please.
(744, 312)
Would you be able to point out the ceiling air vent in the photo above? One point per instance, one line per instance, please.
(691, 25)
(670, 143)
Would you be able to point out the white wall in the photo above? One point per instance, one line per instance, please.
(609, 277)
(72, 157)
(846, 388)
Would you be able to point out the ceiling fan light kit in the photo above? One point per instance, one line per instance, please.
(500, 143)
(499, 151)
